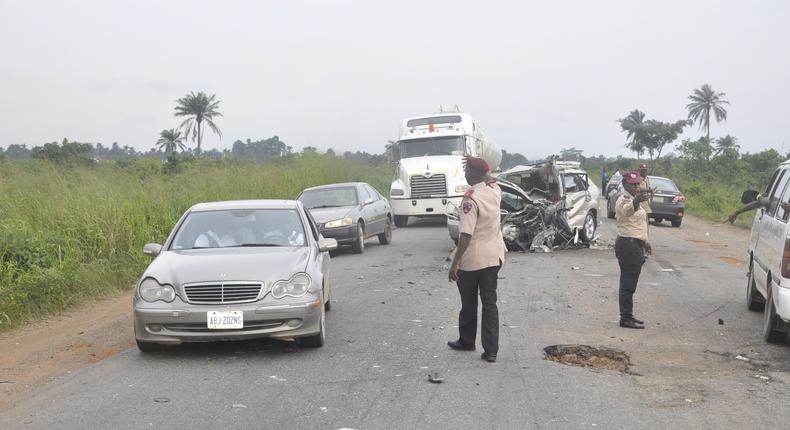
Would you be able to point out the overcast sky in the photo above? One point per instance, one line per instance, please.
(538, 76)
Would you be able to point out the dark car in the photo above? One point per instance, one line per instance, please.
(349, 213)
(668, 201)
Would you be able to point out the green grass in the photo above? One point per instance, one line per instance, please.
(75, 234)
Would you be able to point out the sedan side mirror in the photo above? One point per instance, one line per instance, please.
(152, 249)
(368, 201)
(327, 244)
(749, 196)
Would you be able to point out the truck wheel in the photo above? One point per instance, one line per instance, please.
(771, 324)
(359, 245)
(588, 231)
(676, 222)
(754, 300)
(401, 220)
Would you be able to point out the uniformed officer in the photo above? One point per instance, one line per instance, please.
(632, 244)
(645, 185)
(478, 258)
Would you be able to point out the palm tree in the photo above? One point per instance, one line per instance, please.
(170, 141)
(703, 101)
(727, 144)
(198, 108)
(633, 125)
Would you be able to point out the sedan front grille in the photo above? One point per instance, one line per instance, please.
(226, 292)
(422, 186)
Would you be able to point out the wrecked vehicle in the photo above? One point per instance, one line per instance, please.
(530, 224)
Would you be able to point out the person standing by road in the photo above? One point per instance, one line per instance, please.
(632, 244)
(478, 258)
(604, 181)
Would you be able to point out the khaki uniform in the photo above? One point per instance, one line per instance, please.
(480, 219)
(645, 185)
(630, 223)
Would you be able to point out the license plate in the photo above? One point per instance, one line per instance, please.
(224, 320)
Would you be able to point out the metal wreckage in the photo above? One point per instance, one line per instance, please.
(548, 206)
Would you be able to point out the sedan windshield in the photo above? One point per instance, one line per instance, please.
(448, 145)
(663, 184)
(237, 228)
(329, 197)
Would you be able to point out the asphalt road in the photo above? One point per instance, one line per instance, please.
(394, 311)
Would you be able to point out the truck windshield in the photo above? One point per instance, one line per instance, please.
(448, 145)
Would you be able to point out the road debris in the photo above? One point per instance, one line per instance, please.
(589, 356)
(721, 321)
(161, 400)
(742, 358)
(434, 378)
(238, 406)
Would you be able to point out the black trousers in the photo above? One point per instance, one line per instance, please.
(470, 283)
(630, 254)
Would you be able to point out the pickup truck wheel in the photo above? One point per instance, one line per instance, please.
(401, 220)
(385, 238)
(659, 220)
(359, 245)
(588, 231)
(771, 325)
(754, 300)
(676, 222)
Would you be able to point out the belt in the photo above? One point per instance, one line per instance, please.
(632, 239)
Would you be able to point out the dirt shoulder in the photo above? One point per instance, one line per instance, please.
(33, 356)
(41, 352)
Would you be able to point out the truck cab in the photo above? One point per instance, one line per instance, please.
(430, 171)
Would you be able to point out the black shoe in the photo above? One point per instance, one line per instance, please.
(458, 346)
(637, 321)
(630, 323)
(488, 357)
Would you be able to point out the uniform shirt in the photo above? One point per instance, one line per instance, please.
(645, 185)
(480, 219)
(630, 222)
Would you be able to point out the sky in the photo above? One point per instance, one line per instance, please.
(538, 76)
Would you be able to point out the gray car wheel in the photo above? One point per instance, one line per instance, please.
(386, 237)
(359, 245)
(754, 300)
(317, 340)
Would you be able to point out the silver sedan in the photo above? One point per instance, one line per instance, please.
(236, 270)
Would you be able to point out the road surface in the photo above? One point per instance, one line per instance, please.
(393, 313)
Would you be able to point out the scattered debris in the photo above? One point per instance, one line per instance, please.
(277, 378)
(161, 400)
(7, 381)
(721, 321)
(410, 282)
(434, 378)
(576, 268)
(589, 356)
(762, 377)
(238, 406)
(323, 408)
(742, 358)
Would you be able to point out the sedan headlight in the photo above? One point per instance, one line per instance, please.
(339, 223)
(151, 291)
(297, 286)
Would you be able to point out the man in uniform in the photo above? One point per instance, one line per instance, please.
(632, 244)
(644, 185)
(478, 258)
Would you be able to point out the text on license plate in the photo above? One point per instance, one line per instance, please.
(225, 319)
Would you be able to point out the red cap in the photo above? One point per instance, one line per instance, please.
(477, 164)
(632, 178)
(643, 166)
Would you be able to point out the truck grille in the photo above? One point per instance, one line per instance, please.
(422, 186)
(231, 292)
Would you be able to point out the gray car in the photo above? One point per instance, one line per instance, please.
(350, 213)
(236, 270)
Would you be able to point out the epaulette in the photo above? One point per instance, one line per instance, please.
(469, 193)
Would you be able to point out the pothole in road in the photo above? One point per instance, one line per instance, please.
(588, 356)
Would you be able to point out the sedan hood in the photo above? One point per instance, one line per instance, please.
(228, 264)
(322, 215)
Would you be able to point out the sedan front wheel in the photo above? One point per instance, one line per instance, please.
(359, 245)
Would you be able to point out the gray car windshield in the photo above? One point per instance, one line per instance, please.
(662, 184)
(448, 145)
(240, 228)
(329, 197)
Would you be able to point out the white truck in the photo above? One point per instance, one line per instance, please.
(430, 172)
